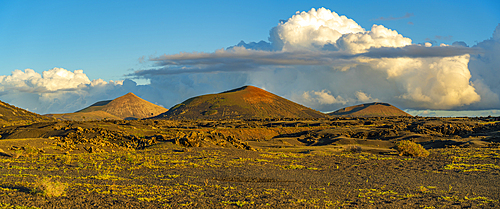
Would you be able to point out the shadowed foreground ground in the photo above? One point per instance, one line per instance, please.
(168, 176)
(348, 163)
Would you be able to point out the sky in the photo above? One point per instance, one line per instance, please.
(434, 58)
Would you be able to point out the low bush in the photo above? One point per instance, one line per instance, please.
(353, 149)
(409, 148)
(49, 188)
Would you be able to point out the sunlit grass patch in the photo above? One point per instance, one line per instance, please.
(279, 155)
(426, 189)
(269, 156)
(365, 156)
(8, 189)
(488, 122)
(479, 199)
(237, 203)
(7, 205)
(263, 160)
(106, 177)
(471, 167)
(312, 201)
(142, 192)
(19, 167)
(19, 174)
(469, 153)
(149, 199)
(293, 166)
(370, 193)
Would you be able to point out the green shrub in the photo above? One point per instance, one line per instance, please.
(210, 112)
(49, 188)
(409, 148)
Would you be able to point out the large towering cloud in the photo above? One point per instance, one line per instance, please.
(324, 60)
(317, 58)
(316, 28)
(485, 70)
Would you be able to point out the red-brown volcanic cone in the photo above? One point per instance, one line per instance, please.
(246, 102)
(128, 106)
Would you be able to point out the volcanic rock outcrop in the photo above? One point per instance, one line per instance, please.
(376, 109)
(247, 102)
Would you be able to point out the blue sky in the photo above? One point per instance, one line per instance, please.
(107, 39)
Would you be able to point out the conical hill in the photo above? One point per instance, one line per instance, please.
(128, 106)
(376, 109)
(247, 102)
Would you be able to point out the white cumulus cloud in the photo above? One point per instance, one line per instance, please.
(315, 28)
(322, 97)
(362, 97)
(378, 36)
(51, 80)
(55, 90)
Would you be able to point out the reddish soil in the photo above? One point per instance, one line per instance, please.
(247, 102)
(254, 95)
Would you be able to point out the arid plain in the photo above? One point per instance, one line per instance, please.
(246, 148)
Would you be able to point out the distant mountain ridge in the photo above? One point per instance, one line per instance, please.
(85, 116)
(246, 102)
(12, 115)
(376, 109)
(128, 106)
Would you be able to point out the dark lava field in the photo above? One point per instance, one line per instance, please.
(268, 163)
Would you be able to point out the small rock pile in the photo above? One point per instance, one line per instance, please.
(210, 138)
